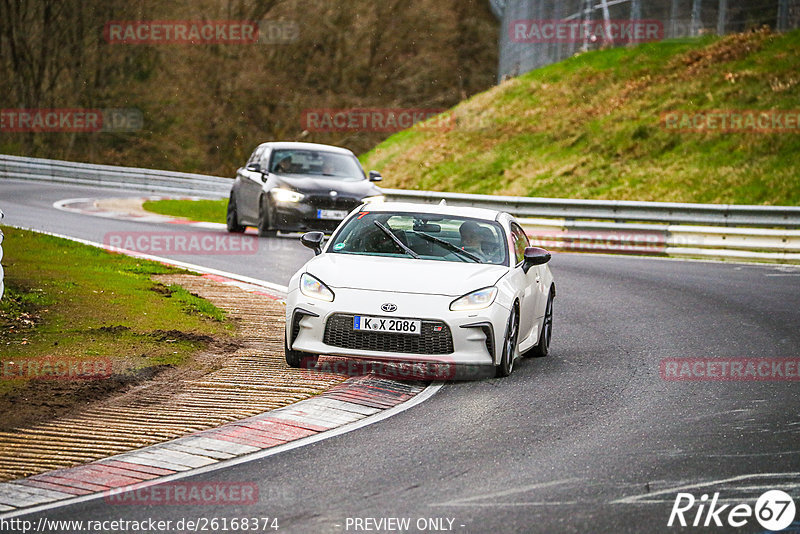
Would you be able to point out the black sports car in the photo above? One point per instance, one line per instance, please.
(298, 187)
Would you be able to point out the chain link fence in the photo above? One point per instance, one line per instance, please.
(539, 32)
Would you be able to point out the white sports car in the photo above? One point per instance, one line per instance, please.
(422, 283)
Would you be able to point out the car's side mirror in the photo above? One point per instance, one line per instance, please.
(254, 167)
(375, 176)
(313, 240)
(534, 256)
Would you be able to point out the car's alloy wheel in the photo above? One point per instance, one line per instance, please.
(265, 220)
(296, 358)
(509, 345)
(542, 349)
(232, 218)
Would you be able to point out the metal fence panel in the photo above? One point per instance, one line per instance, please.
(677, 18)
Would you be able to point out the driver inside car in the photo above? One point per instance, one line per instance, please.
(471, 239)
(328, 168)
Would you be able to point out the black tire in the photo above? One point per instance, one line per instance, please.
(542, 348)
(265, 220)
(297, 359)
(506, 366)
(232, 218)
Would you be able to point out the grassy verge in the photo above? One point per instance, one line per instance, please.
(196, 210)
(68, 302)
(590, 127)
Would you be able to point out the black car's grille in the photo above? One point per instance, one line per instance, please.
(339, 333)
(326, 202)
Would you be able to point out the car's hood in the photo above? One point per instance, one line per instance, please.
(310, 184)
(404, 275)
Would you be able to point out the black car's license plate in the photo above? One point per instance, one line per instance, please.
(331, 215)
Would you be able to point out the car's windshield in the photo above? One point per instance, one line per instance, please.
(423, 236)
(328, 164)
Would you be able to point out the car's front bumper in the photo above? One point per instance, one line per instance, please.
(476, 335)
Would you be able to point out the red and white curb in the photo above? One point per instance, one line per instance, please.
(353, 404)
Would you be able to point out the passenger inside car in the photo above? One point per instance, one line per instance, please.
(284, 165)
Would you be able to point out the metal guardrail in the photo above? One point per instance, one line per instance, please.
(570, 209)
(667, 228)
(766, 244)
(617, 210)
(51, 170)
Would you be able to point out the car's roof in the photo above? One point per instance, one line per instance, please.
(438, 209)
(289, 145)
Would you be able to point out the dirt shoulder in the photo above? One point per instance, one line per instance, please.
(234, 378)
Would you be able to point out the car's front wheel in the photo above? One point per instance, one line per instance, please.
(265, 220)
(509, 345)
(542, 348)
(232, 217)
(296, 358)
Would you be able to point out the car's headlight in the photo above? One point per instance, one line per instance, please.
(376, 198)
(311, 287)
(286, 195)
(477, 300)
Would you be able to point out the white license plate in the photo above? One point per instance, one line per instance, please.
(336, 215)
(385, 324)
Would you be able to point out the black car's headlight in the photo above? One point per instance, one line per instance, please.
(312, 287)
(286, 195)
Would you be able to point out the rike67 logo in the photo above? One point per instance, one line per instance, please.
(774, 511)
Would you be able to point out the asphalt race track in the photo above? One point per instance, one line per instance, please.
(589, 439)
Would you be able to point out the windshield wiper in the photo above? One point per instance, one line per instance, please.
(448, 246)
(396, 240)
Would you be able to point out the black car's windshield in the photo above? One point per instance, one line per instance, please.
(317, 162)
(428, 237)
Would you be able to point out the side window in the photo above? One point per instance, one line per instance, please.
(264, 160)
(256, 155)
(520, 242)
